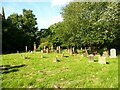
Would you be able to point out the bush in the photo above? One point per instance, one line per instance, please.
(47, 44)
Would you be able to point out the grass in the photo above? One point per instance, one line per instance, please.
(71, 72)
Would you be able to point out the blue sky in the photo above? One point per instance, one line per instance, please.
(47, 12)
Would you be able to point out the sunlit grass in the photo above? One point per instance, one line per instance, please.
(71, 72)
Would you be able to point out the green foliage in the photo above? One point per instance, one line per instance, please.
(47, 44)
(19, 31)
(89, 24)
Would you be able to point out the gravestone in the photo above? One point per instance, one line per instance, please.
(34, 47)
(89, 48)
(59, 49)
(47, 50)
(51, 48)
(63, 54)
(44, 49)
(85, 53)
(81, 48)
(26, 48)
(91, 58)
(73, 50)
(56, 59)
(113, 53)
(105, 54)
(41, 51)
(68, 50)
(42, 56)
(102, 60)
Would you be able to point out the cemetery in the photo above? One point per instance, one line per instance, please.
(80, 51)
(59, 69)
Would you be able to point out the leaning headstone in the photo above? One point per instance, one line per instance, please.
(34, 47)
(113, 53)
(26, 48)
(102, 60)
(91, 58)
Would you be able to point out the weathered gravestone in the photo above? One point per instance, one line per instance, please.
(102, 60)
(44, 49)
(47, 50)
(62, 54)
(105, 54)
(56, 59)
(42, 56)
(34, 46)
(113, 53)
(26, 48)
(91, 58)
(85, 53)
(81, 48)
(51, 48)
(59, 49)
(73, 50)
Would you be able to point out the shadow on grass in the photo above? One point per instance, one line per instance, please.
(96, 60)
(66, 56)
(8, 68)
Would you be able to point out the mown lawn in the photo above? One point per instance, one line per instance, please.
(71, 72)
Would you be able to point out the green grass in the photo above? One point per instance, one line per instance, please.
(71, 72)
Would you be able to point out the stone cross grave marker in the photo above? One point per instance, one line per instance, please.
(102, 60)
(113, 53)
(91, 58)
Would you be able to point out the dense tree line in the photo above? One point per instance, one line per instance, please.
(88, 24)
(18, 31)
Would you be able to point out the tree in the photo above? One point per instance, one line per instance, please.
(19, 31)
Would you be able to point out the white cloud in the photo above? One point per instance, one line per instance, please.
(56, 19)
(60, 2)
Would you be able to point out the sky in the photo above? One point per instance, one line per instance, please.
(47, 12)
